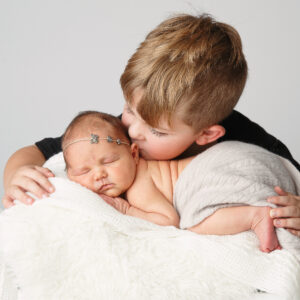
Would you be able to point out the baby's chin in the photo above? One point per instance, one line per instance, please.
(111, 193)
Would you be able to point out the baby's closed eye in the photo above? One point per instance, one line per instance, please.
(79, 172)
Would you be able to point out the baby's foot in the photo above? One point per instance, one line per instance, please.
(263, 227)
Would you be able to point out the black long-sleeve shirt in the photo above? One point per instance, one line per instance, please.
(238, 128)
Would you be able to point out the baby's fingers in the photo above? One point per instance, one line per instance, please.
(108, 200)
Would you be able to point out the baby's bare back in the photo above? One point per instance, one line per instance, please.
(155, 177)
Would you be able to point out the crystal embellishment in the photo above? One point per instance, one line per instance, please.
(94, 138)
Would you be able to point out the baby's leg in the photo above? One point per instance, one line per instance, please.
(232, 220)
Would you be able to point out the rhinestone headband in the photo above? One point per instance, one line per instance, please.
(94, 139)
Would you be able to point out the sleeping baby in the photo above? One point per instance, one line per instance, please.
(100, 157)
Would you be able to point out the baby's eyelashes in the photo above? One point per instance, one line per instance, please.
(78, 172)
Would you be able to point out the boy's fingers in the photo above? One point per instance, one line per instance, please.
(294, 232)
(280, 191)
(34, 188)
(16, 193)
(284, 200)
(291, 223)
(7, 201)
(42, 180)
(45, 171)
(285, 212)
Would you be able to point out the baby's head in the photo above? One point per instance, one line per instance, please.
(98, 153)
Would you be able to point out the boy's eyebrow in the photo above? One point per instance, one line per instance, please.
(158, 128)
(162, 129)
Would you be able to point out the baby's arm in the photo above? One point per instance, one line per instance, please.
(168, 218)
(232, 220)
(145, 201)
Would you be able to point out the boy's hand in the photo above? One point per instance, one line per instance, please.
(118, 203)
(288, 215)
(31, 178)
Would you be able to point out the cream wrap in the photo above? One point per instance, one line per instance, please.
(234, 174)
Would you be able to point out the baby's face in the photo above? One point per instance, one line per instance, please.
(105, 168)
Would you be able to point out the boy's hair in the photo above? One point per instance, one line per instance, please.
(91, 120)
(192, 65)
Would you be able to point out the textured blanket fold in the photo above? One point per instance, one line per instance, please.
(75, 246)
(234, 174)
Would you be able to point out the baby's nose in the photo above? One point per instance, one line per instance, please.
(100, 173)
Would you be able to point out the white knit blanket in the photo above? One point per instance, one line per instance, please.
(75, 246)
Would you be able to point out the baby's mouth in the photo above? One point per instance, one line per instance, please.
(104, 188)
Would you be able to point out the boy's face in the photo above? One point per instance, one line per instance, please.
(105, 168)
(161, 143)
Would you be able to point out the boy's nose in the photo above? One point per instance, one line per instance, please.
(135, 131)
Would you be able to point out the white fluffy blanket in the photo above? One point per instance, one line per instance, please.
(75, 246)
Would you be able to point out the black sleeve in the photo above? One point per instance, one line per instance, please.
(49, 146)
(240, 128)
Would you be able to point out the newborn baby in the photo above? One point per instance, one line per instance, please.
(99, 156)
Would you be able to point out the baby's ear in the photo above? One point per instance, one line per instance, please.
(135, 152)
(210, 134)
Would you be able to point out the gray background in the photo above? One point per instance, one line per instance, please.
(59, 57)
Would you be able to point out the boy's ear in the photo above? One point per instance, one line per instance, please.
(210, 134)
(135, 152)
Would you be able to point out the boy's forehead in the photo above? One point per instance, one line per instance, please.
(164, 123)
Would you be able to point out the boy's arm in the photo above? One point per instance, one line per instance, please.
(23, 173)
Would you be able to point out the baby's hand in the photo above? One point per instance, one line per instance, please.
(288, 214)
(118, 203)
(31, 178)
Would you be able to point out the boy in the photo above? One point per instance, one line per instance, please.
(99, 156)
(185, 63)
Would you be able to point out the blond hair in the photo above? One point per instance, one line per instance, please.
(191, 65)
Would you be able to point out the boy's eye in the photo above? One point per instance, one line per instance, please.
(128, 109)
(157, 133)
